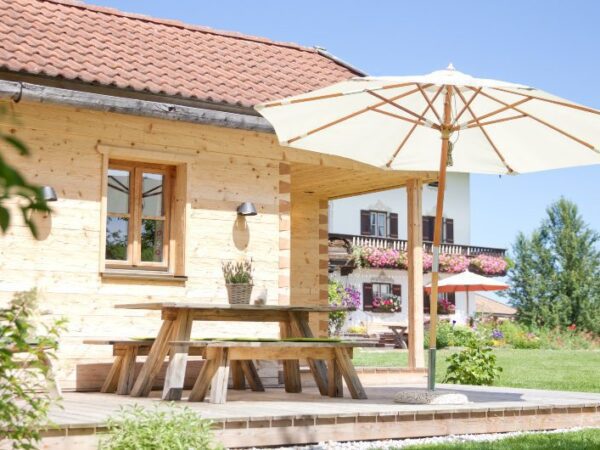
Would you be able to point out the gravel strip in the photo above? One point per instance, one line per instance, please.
(403, 443)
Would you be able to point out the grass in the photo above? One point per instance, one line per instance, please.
(564, 370)
(580, 440)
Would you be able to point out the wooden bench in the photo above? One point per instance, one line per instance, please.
(121, 375)
(221, 355)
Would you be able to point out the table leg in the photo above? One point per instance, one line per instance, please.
(110, 384)
(208, 370)
(402, 341)
(127, 372)
(218, 385)
(174, 379)
(291, 368)
(154, 361)
(251, 375)
(345, 365)
(317, 367)
(237, 376)
(334, 379)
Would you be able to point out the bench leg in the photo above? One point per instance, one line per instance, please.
(53, 387)
(251, 375)
(110, 384)
(291, 368)
(209, 368)
(347, 369)
(334, 379)
(218, 385)
(237, 376)
(127, 372)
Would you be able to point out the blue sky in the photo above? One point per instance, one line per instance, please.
(552, 45)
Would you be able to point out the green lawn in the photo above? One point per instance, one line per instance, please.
(565, 370)
(580, 440)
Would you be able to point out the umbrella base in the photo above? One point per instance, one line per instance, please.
(427, 397)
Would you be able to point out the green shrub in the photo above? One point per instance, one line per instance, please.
(443, 335)
(476, 364)
(24, 398)
(159, 429)
(460, 336)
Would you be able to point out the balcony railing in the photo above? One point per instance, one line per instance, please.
(401, 244)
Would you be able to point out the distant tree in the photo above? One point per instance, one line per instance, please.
(555, 280)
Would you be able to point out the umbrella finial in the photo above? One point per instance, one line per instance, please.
(450, 67)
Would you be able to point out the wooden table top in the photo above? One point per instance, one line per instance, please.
(228, 307)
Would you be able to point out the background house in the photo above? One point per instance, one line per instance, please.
(379, 220)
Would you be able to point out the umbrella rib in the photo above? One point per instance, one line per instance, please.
(543, 122)
(416, 122)
(332, 95)
(490, 122)
(466, 105)
(430, 103)
(351, 115)
(495, 112)
(556, 102)
(410, 132)
(394, 104)
(487, 136)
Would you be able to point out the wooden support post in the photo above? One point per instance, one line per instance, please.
(416, 353)
(182, 330)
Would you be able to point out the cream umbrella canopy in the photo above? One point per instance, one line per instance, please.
(485, 126)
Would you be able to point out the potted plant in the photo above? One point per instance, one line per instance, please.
(238, 280)
(445, 307)
(387, 303)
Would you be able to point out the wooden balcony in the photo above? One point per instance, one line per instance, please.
(340, 247)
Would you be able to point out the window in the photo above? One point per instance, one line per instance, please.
(138, 215)
(379, 224)
(447, 229)
(378, 290)
(450, 296)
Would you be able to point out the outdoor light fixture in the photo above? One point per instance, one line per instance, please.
(49, 194)
(247, 209)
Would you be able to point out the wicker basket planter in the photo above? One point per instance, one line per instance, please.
(239, 293)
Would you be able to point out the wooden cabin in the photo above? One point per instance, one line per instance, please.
(145, 129)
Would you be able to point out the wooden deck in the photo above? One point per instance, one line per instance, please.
(308, 417)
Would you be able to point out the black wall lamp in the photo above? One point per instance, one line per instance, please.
(247, 209)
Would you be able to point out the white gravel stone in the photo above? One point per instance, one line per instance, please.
(403, 443)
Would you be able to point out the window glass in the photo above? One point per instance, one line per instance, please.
(117, 237)
(382, 224)
(118, 191)
(152, 195)
(152, 240)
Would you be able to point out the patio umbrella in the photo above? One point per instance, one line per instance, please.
(485, 126)
(468, 282)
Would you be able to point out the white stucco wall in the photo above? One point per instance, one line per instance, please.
(344, 214)
(375, 320)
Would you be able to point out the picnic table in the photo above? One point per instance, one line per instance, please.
(177, 320)
(400, 331)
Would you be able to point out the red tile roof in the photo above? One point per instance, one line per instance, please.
(69, 40)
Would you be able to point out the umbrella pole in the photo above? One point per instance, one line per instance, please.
(437, 237)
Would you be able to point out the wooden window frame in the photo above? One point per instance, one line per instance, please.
(136, 170)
